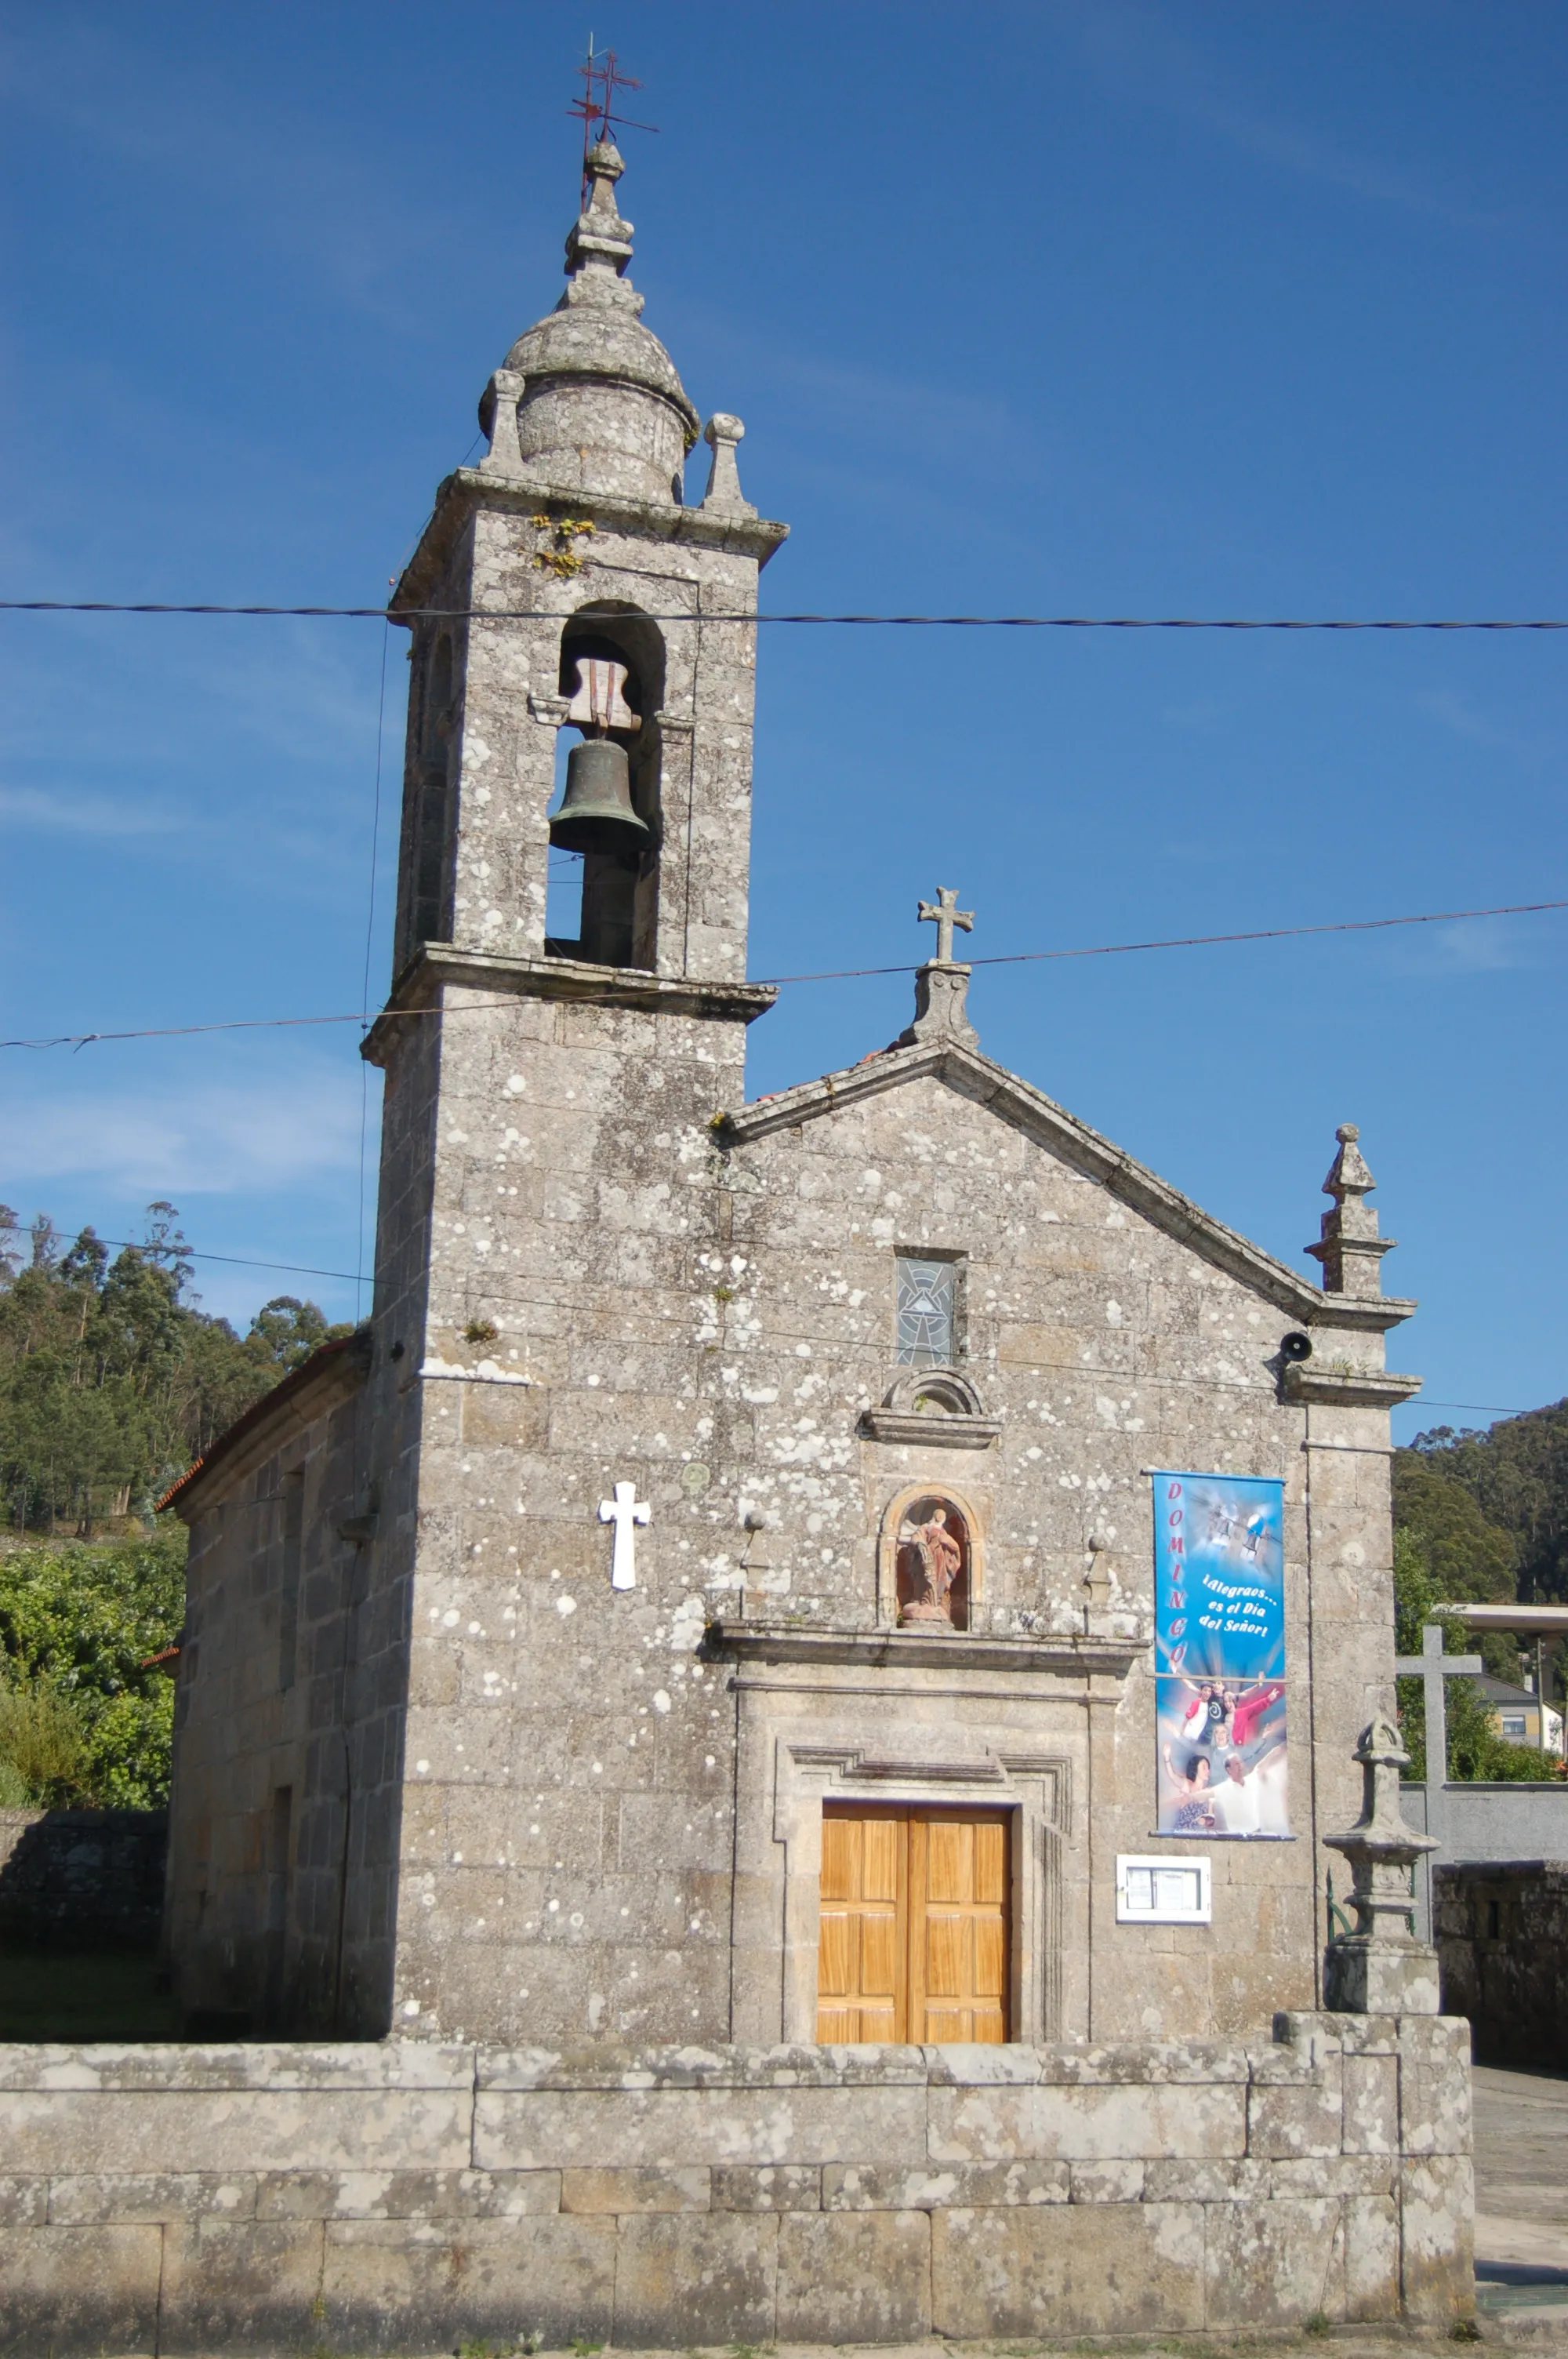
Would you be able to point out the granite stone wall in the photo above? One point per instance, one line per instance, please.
(79, 1879)
(406, 2196)
(1501, 1932)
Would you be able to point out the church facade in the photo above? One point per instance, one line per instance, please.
(714, 1598)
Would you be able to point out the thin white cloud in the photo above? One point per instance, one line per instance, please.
(46, 810)
(1473, 945)
(273, 1134)
(1463, 718)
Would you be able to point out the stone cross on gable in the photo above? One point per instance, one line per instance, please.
(1432, 1667)
(944, 914)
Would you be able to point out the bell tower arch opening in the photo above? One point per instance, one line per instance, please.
(609, 821)
(425, 895)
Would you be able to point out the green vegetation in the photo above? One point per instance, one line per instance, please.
(112, 1381)
(1517, 1474)
(83, 1717)
(1474, 1748)
(1479, 1517)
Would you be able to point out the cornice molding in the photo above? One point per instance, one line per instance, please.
(894, 1651)
(439, 964)
(467, 490)
(929, 1429)
(1332, 1389)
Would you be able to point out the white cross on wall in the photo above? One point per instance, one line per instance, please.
(626, 1512)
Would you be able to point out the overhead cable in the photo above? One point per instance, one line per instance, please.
(828, 974)
(905, 622)
(188, 1253)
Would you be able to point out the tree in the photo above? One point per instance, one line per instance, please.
(1470, 1560)
(284, 1331)
(1475, 1750)
(111, 1380)
(1516, 1473)
(1515, 1476)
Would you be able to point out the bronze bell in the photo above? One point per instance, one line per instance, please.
(596, 813)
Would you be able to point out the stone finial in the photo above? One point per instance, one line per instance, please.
(1350, 1247)
(1350, 1174)
(602, 410)
(1098, 1583)
(1380, 1968)
(598, 245)
(942, 985)
(721, 434)
(497, 419)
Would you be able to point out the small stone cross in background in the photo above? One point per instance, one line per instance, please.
(944, 915)
(625, 1511)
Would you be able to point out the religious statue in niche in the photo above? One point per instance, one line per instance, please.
(933, 1566)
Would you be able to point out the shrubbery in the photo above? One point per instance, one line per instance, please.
(81, 1718)
(112, 1381)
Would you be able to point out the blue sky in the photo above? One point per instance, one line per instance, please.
(1084, 307)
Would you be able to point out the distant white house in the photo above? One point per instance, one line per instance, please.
(1516, 1712)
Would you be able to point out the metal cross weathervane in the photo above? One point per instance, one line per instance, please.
(601, 79)
(944, 914)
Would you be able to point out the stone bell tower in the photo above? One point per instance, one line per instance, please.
(546, 1187)
(624, 616)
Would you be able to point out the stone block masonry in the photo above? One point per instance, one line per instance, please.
(1501, 1930)
(82, 1879)
(407, 2196)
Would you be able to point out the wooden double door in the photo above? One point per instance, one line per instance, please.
(916, 1932)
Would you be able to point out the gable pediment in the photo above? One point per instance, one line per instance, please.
(1039, 1119)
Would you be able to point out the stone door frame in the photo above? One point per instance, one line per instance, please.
(828, 1765)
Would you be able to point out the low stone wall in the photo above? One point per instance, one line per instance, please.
(405, 2197)
(79, 1879)
(1502, 1941)
(1477, 1823)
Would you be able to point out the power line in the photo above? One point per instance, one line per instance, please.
(304, 1269)
(903, 622)
(1488, 1409)
(177, 1031)
(188, 1253)
(833, 974)
(1191, 941)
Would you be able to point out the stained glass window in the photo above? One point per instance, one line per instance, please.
(925, 1298)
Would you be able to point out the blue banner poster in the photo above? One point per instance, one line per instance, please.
(1219, 1647)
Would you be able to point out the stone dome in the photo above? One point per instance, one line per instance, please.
(603, 408)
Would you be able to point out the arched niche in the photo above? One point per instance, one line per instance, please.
(619, 909)
(934, 1392)
(921, 1525)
